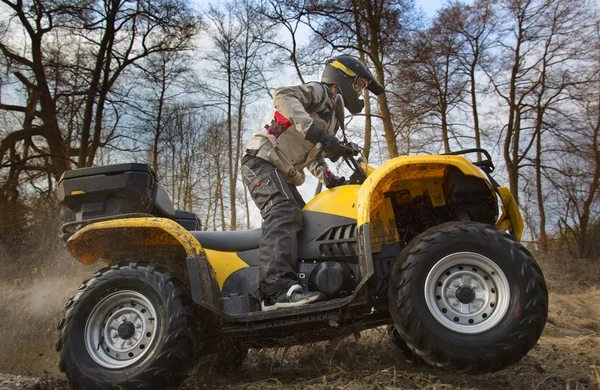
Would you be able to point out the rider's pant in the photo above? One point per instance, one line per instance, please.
(281, 208)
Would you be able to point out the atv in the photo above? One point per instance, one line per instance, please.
(428, 245)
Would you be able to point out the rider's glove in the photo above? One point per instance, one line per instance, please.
(332, 149)
(335, 181)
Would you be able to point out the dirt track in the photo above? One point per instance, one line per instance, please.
(567, 356)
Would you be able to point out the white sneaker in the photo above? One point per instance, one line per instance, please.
(294, 297)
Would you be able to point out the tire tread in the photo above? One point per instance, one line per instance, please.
(472, 360)
(180, 345)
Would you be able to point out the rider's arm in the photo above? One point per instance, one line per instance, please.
(296, 102)
(319, 169)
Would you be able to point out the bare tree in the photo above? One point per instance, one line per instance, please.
(566, 24)
(476, 24)
(165, 79)
(437, 69)
(238, 34)
(66, 96)
(575, 171)
(121, 34)
(39, 115)
(288, 19)
(519, 42)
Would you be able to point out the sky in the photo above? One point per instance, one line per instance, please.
(429, 6)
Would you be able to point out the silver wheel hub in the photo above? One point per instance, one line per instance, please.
(121, 329)
(467, 292)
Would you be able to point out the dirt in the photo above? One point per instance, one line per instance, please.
(566, 357)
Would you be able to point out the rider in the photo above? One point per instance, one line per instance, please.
(301, 133)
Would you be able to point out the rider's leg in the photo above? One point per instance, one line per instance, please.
(282, 221)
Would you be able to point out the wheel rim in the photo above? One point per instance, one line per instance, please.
(121, 329)
(467, 292)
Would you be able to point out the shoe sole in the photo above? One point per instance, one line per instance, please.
(285, 305)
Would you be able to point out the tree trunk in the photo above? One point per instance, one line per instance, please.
(238, 147)
(158, 127)
(538, 183)
(52, 134)
(511, 141)
(232, 210)
(445, 137)
(474, 102)
(368, 125)
(388, 128)
(88, 115)
(98, 121)
(384, 109)
(247, 204)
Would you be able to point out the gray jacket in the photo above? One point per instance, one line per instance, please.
(298, 107)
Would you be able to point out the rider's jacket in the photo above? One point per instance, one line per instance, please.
(282, 142)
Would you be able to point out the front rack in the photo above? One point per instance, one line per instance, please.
(486, 165)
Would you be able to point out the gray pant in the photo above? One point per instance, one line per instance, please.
(280, 205)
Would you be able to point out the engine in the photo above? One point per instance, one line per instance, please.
(332, 278)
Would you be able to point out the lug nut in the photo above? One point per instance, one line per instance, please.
(475, 305)
(454, 303)
(456, 283)
(476, 286)
(138, 325)
(123, 319)
(115, 336)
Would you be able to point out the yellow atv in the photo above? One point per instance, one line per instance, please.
(416, 243)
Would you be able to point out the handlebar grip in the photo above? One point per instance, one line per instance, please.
(351, 149)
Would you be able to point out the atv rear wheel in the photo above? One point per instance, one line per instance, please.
(466, 296)
(128, 326)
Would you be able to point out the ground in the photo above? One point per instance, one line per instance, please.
(566, 357)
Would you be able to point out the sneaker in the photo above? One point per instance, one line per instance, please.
(294, 297)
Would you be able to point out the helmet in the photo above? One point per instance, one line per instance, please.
(351, 76)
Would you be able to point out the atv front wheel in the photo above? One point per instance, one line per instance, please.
(129, 326)
(466, 296)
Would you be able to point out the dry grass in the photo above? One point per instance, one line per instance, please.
(371, 363)
(566, 275)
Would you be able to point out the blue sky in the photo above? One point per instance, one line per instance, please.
(429, 6)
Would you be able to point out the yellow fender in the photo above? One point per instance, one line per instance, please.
(120, 238)
(511, 219)
(418, 171)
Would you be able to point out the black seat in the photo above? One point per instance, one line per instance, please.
(233, 241)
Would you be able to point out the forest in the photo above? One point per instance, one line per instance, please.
(183, 85)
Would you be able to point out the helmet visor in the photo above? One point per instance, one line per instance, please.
(359, 85)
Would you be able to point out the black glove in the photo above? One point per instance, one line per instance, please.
(332, 149)
(335, 181)
(350, 150)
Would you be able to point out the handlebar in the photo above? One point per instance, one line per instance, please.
(350, 151)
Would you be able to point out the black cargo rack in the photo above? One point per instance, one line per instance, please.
(486, 165)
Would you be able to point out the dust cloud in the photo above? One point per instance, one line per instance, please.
(32, 296)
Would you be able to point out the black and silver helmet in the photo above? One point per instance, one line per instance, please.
(351, 76)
